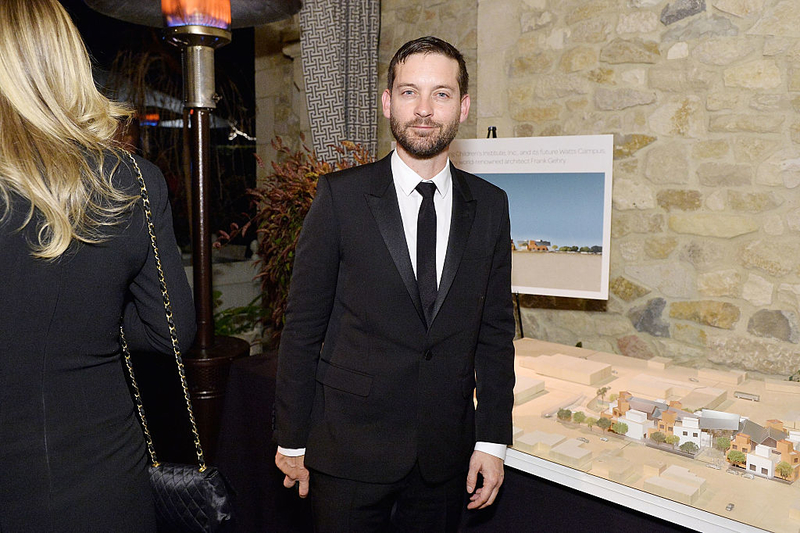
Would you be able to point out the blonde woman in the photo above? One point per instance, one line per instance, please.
(75, 256)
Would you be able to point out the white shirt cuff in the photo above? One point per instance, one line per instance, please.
(498, 450)
(292, 452)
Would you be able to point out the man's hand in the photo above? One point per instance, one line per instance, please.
(491, 468)
(295, 470)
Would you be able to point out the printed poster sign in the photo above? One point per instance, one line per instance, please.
(559, 192)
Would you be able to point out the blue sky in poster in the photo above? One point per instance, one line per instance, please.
(565, 209)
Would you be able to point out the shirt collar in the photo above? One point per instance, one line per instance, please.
(407, 180)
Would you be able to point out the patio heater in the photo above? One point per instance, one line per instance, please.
(198, 28)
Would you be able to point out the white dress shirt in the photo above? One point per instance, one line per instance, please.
(409, 200)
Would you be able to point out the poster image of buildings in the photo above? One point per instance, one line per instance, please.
(559, 191)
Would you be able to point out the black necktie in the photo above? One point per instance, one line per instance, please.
(426, 249)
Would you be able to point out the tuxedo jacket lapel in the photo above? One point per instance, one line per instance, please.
(460, 225)
(382, 201)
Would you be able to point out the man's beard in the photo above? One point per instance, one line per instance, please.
(428, 146)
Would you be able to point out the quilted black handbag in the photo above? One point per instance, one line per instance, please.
(188, 498)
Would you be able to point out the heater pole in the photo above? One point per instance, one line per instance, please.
(199, 131)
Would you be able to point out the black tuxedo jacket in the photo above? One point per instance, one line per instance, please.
(363, 384)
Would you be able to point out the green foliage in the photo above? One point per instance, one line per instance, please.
(564, 414)
(736, 457)
(613, 397)
(722, 443)
(672, 439)
(659, 437)
(281, 204)
(601, 392)
(604, 423)
(620, 428)
(578, 417)
(237, 319)
(690, 447)
(783, 469)
(591, 421)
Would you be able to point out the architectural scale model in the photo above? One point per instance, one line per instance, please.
(721, 441)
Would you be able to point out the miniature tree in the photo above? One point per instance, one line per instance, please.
(601, 392)
(722, 444)
(672, 439)
(736, 457)
(620, 428)
(613, 397)
(578, 417)
(564, 414)
(591, 421)
(783, 469)
(604, 423)
(659, 437)
(690, 447)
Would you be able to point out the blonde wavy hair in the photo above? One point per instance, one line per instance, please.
(56, 129)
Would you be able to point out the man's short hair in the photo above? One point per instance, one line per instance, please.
(430, 45)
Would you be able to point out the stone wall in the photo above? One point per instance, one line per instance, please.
(701, 96)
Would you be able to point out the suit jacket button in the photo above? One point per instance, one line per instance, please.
(428, 355)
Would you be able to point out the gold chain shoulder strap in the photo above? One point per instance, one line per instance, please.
(172, 333)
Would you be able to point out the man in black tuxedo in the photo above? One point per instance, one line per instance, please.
(400, 303)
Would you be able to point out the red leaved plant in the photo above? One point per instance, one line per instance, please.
(281, 203)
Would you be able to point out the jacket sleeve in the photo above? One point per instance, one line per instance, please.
(311, 296)
(144, 318)
(494, 355)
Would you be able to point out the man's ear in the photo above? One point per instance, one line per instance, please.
(386, 101)
(464, 108)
